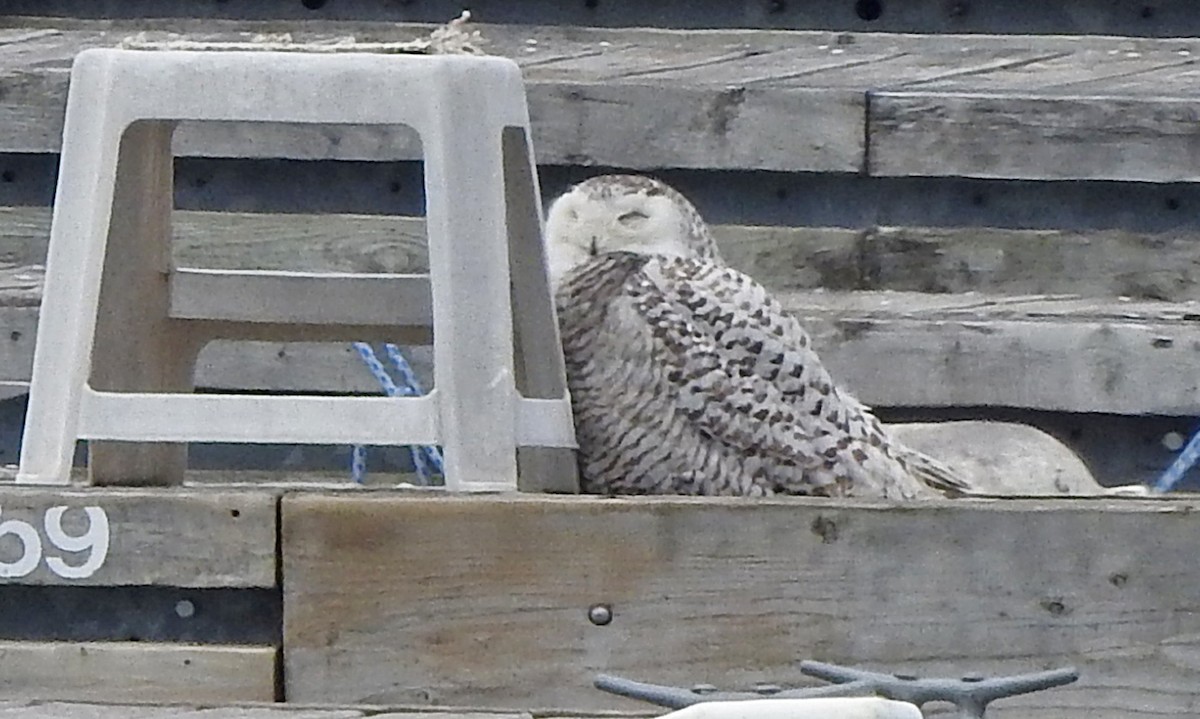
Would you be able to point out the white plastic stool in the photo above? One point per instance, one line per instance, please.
(120, 328)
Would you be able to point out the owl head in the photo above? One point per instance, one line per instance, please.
(623, 213)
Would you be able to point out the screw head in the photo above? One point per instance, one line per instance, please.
(600, 614)
(185, 609)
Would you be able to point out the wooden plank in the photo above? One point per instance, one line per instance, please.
(33, 709)
(1100, 263)
(250, 241)
(125, 671)
(63, 710)
(643, 126)
(279, 711)
(1083, 366)
(731, 99)
(713, 128)
(488, 598)
(226, 364)
(969, 343)
(1069, 70)
(890, 349)
(1015, 135)
(1094, 263)
(175, 537)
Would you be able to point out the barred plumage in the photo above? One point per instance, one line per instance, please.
(687, 377)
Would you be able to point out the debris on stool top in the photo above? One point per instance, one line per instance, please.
(450, 39)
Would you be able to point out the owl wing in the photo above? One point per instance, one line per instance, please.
(743, 369)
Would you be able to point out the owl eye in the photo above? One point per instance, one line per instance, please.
(633, 218)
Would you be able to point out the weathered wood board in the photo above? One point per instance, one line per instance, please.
(34, 709)
(1036, 107)
(1031, 135)
(1062, 354)
(485, 600)
(891, 349)
(1044, 348)
(1099, 263)
(134, 671)
(114, 537)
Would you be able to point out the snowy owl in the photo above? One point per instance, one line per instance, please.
(687, 377)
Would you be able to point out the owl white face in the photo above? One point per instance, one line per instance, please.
(621, 213)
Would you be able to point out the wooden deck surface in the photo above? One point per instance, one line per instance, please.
(461, 601)
(1036, 107)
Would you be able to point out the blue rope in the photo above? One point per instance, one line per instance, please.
(358, 463)
(1186, 459)
(427, 460)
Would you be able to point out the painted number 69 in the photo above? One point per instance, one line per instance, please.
(94, 541)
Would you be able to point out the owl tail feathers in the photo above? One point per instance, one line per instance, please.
(933, 473)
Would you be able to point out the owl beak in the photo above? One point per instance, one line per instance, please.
(592, 249)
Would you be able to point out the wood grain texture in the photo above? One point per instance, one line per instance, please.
(135, 671)
(896, 311)
(172, 537)
(664, 123)
(1110, 364)
(487, 599)
(1016, 135)
(735, 99)
(645, 126)
(1097, 263)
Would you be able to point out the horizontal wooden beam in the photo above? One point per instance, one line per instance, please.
(114, 537)
(1072, 321)
(1023, 135)
(1045, 107)
(1095, 263)
(1117, 357)
(133, 672)
(489, 599)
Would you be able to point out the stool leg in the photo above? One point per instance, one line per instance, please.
(541, 372)
(82, 204)
(472, 318)
(137, 346)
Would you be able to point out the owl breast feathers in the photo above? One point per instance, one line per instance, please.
(687, 377)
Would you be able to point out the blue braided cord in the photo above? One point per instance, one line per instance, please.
(358, 464)
(412, 385)
(1186, 459)
(381, 375)
(426, 460)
